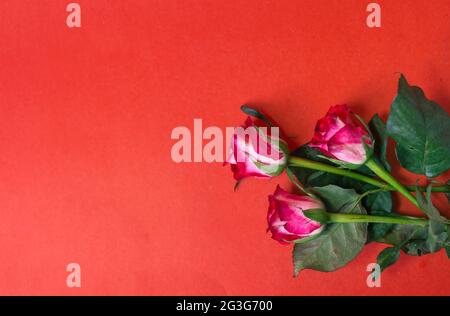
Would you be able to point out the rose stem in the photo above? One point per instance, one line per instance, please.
(314, 165)
(361, 218)
(310, 164)
(386, 176)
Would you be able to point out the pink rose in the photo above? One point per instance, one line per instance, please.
(286, 219)
(255, 153)
(341, 136)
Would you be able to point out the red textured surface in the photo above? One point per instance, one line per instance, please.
(86, 115)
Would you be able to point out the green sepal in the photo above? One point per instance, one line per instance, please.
(317, 215)
(255, 113)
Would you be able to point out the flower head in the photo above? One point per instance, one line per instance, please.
(341, 136)
(286, 219)
(253, 152)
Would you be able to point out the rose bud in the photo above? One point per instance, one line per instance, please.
(286, 219)
(254, 153)
(342, 136)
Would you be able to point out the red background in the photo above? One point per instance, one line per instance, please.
(86, 116)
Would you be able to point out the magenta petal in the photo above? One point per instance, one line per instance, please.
(347, 145)
(253, 154)
(339, 135)
(286, 219)
(302, 227)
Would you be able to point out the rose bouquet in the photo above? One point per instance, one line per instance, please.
(344, 182)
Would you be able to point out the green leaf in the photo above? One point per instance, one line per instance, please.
(427, 206)
(378, 204)
(416, 248)
(388, 257)
(339, 243)
(421, 129)
(437, 237)
(437, 230)
(400, 233)
(414, 240)
(411, 239)
(379, 133)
